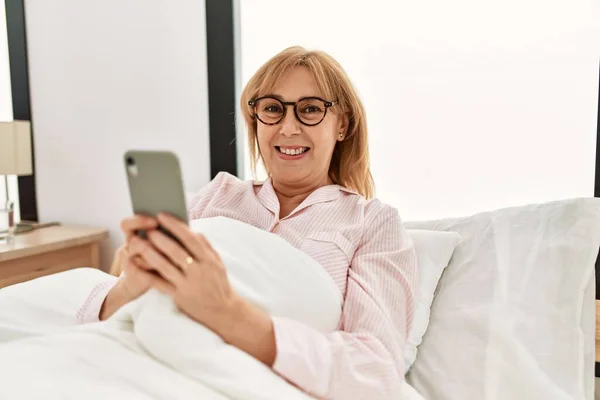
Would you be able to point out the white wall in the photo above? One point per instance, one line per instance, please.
(107, 76)
(471, 105)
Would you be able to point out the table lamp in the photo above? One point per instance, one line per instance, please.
(15, 158)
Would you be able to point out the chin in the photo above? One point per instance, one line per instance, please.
(289, 175)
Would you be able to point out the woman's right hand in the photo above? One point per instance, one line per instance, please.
(131, 283)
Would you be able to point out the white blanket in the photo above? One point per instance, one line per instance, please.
(149, 350)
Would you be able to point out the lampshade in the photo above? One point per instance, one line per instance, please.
(15, 148)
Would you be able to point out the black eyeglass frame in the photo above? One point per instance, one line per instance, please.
(285, 104)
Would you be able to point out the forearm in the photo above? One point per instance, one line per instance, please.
(250, 330)
(96, 302)
(90, 309)
(338, 365)
(116, 298)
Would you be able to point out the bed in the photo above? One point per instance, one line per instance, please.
(505, 310)
(519, 296)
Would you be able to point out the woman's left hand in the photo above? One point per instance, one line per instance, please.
(193, 275)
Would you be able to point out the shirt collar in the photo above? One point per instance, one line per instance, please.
(268, 198)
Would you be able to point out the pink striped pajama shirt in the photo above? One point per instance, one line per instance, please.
(369, 255)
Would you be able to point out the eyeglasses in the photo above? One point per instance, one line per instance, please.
(309, 111)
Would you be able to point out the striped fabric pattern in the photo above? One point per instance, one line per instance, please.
(363, 246)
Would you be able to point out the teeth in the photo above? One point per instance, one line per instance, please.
(293, 152)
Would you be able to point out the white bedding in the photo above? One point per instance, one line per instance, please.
(148, 350)
(514, 312)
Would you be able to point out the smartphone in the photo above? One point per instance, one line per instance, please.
(155, 185)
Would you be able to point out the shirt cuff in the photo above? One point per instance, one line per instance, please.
(303, 355)
(90, 311)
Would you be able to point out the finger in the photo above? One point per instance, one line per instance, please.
(156, 261)
(132, 270)
(130, 225)
(162, 286)
(155, 281)
(196, 244)
(121, 251)
(140, 263)
(206, 246)
(136, 264)
(130, 267)
(182, 232)
(118, 264)
(170, 248)
(120, 255)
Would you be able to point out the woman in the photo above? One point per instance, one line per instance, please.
(307, 125)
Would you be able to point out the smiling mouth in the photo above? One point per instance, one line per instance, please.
(293, 152)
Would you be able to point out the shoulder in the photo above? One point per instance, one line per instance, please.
(373, 210)
(382, 219)
(383, 230)
(227, 179)
(223, 183)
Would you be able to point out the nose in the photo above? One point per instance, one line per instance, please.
(289, 124)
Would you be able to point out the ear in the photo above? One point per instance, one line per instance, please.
(342, 126)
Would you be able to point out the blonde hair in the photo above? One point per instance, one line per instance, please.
(350, 161)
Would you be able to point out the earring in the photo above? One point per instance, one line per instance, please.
(341, 135)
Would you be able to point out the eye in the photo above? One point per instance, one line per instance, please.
(312, 108)
(272, 108)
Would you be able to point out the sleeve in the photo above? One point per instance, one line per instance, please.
(364, 359)
(90, 310)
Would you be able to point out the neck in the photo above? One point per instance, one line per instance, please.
(291, 195)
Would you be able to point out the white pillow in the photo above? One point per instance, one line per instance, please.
(434, 250)
(513, 317)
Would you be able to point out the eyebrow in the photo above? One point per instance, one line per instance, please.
(281, 98)
(272, 95)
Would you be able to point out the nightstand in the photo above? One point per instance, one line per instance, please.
(49, 250)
